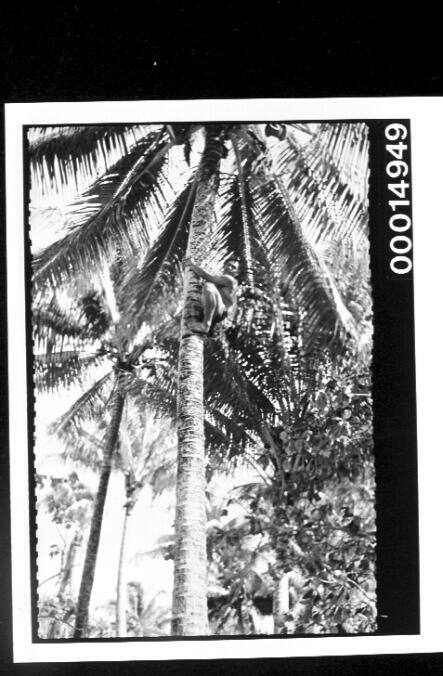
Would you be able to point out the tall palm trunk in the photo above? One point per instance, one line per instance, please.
(122, 594)
(87, 580)
(189, 608)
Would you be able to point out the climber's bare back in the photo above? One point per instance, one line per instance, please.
(219, 294)
(227, 288)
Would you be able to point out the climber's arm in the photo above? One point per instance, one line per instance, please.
(218, 280)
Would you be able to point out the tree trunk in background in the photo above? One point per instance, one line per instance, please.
(57, 628)
(68, 565)
(280, 606)
(247, 255)
(87, 580)
(122, 593)
(284, 565)
(189, 609)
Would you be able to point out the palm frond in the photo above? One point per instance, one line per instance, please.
(280, 233)
(231, 223)
(345, 148)
(85, 408)
(63, 369)
(230, 213)
(84, 449)
(327, 180)
(157, 388)
(60, 154)
(228, 385)
(95, 314)
(97, 222)
(224, 435)
(50, 322)
(68, 321)
(160, 267)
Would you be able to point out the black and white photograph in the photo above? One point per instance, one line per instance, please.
(202, 328)
(219, 379)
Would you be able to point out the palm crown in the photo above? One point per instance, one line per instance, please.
(296, 196)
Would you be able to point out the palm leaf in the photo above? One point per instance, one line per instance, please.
(231, 224)
(224, 436)
(85, 408)
(81, 322)
(60, 154)
(279, 232)
(227, 383)
(160, 268)
(50, 322)
(97, 222)
(63, 369)
(84, 449)
(276, 228)
(328, 181)
(93, 311)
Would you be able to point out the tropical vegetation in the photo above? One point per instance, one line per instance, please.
(275, 407)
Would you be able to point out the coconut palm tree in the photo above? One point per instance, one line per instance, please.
(264, 384)
(302, 194)
(93, 317)
(146, 456)
(270, 215)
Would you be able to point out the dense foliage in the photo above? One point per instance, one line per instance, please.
(310, 519)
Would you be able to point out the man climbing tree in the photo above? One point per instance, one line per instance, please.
(219, 295)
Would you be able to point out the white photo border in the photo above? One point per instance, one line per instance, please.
(425, 115)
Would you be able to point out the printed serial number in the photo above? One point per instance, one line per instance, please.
(399, 222)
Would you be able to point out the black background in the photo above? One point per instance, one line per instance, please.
(393, 375)
(161, 50)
